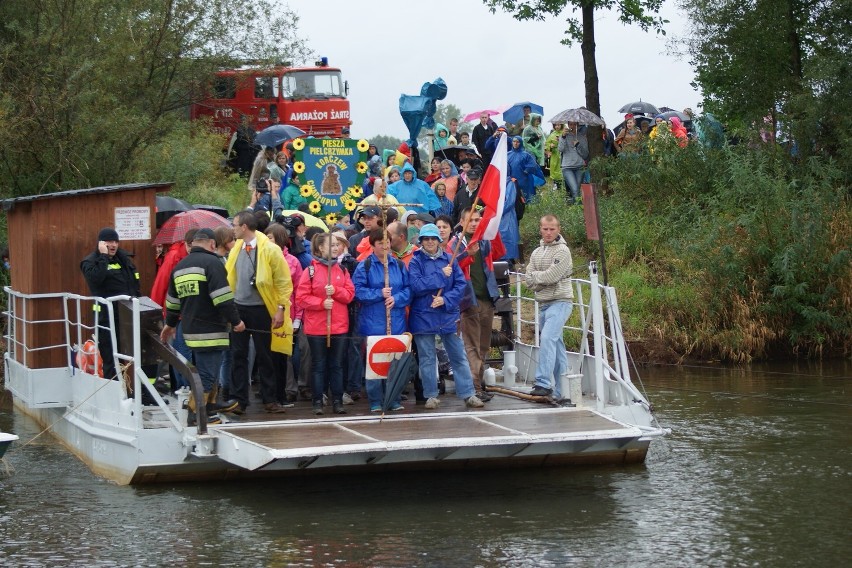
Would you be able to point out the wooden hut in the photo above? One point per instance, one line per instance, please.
(49, 234)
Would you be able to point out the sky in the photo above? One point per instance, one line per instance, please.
(384, 49)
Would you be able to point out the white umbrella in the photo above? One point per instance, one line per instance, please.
(578, 115)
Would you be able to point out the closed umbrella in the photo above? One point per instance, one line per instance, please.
(175, 228)
(578, 115)
(401, 372)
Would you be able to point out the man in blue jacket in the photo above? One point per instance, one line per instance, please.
(381, 306)
(438, 287)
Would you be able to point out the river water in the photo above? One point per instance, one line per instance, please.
(757, 472)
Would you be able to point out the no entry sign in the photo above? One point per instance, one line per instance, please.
(381, 350)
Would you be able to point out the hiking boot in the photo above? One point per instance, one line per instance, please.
(318, 408)
(274, 408)
(432, 403)
(227, 406)
(539, 390)
(473, 402)
(337, 407)
(484, 396)
(305, 394)
(347, 399)
(192, 419)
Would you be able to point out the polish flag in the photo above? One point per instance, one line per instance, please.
(492, 194)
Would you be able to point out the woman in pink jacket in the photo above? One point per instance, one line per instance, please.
(326, 288)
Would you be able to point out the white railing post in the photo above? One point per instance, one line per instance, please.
(597, 325)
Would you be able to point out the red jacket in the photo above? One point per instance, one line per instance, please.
(176, 253)
(311, 293)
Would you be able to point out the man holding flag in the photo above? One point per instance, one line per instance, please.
(482, 244)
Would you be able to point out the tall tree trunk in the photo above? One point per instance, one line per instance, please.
(590, 70)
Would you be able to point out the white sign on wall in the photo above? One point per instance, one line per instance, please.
(133, 223)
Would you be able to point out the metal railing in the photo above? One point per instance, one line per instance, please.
(599, 332)
(76, 311)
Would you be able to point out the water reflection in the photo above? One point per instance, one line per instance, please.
(757, 471)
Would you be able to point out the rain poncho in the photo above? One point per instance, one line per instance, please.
(533, 138)
(414, 191)
(523, 167)
(552, 146)
(510, 232)
(440, 141)
(680, 132)
(451, 182)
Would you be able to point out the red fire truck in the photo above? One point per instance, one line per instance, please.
(310, 98)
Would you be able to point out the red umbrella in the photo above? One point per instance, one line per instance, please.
(175, 228)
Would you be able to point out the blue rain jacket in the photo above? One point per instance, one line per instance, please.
(372, 319)
(426, 278)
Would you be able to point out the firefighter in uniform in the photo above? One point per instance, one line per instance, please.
(109, 272)
(200, 297)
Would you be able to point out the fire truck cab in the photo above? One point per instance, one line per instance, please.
(310, 98)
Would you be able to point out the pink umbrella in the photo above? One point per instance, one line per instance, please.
(475, 115)
(175, 228)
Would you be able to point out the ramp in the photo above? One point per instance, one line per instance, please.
(486, 435)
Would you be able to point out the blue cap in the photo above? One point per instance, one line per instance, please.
(430, 230)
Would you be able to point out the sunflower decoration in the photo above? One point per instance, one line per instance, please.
(349, 204)
(331, 219)
(356, 191)
(361, 167)
(363, 145)
(306, 190)
(298, 144)
(314, 207)
(299, 167)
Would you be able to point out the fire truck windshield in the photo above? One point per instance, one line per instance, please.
(312, 84)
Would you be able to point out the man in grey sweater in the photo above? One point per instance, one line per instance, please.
(549, 276)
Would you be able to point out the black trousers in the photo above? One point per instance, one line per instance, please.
(258, 327)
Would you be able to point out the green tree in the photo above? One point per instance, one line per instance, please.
(384, 142)
(784, 59)
(446, 112)
(86, 87)
(639, 12)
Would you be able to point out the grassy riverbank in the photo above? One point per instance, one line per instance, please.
(736, 255)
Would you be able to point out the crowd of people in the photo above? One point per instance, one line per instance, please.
(242, 307)
(288, 306)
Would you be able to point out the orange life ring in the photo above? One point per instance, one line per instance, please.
(86, 359)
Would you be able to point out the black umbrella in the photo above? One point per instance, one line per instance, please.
(639, 120)
(168, 206)
(640, 107)
(452, 153)
(277, 134)
(684, 118)
(400, 373)
(221, 211)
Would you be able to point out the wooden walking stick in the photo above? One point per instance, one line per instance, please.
(329, 240)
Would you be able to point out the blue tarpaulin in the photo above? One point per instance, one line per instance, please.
(418, 111)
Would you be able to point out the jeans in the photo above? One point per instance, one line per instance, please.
(552, 359)
(428, 363)
(354, 362)
(573, 177)
(327, 366)
(181, 347)
(225, 370)
(208, 364)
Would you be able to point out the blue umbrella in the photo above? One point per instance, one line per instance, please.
(277, 134)
(516, 112)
